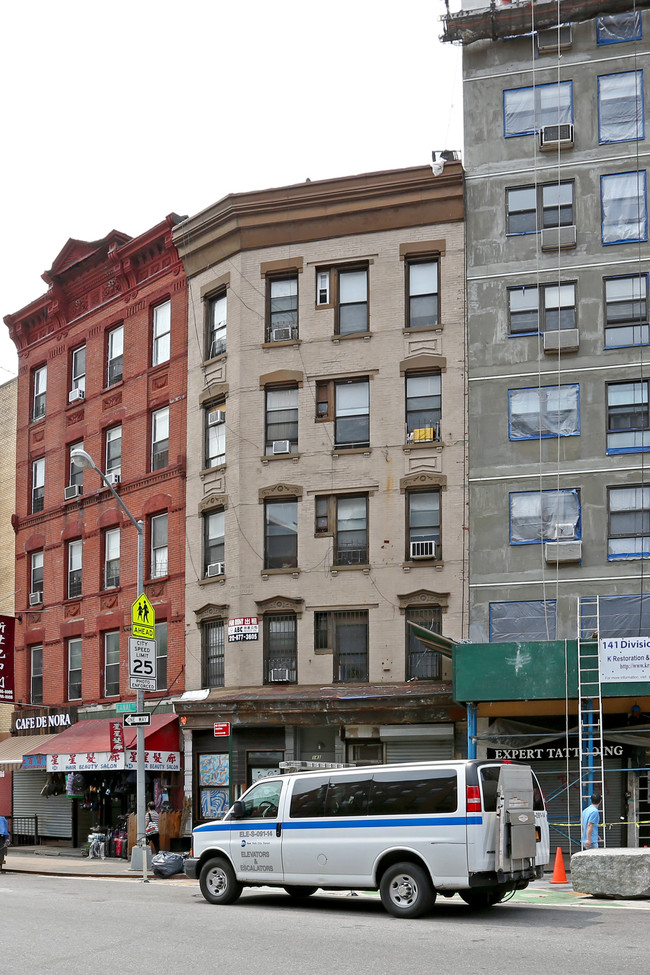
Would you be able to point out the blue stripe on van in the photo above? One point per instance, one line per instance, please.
(393, 822)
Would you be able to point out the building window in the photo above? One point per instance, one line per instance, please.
(423, 407)
(112, 663)
(556, 310)
(527, 110)
(215, 435)
(422, 663)
(76, 474)
(280, 649)
(544, 411)
(423, 525)
(212, 653)
(618, 616)
(628, 421)
(115, 356)
(629, 523)
(544, 516)
(39, 387)
(624, 207)
(345, 634)
(74, 669)
(217, 319)
(214, 529)
(162, 323)
(280, 534)
(111, 558)
(160, 439)
(281, 421)
(161, 656)
(352, 311)
(283, 309)
(75, 557)
(523, 621)
(38, 485)
(114, 450)
(626, 311)
(78, 374)
(619, 27)
(36, 675)
(530, 208)
(423, 293)
(620, 107)
(159, 565)
(36, 577)
(351, 535)
(352, 413)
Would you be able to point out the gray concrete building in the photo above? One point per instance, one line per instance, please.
(556, 160)
(325, 475)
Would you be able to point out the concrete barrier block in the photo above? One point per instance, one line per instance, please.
(620, 874)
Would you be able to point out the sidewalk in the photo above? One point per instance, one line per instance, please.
(66, 861)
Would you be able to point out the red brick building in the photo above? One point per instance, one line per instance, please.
(102, 366)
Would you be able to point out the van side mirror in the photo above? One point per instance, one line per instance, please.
(238, 810)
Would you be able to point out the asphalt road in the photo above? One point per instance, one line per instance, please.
(56, 925)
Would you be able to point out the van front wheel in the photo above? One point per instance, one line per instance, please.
(407, 891)
(218, 882)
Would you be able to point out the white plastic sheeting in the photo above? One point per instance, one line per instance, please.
(624, 207)
(526, 110)
(620, 106)
(537, 516)
(546, 411)
(523, 620)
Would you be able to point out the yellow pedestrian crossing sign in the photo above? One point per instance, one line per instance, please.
(143, 619)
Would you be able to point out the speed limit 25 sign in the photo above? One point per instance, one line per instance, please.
(142, 664)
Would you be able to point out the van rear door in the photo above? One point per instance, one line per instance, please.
(516, 839)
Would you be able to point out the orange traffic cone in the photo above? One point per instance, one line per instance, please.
(559, 873)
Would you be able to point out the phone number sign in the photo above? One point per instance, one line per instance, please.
(243, 628)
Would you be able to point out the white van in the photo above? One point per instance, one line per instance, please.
(411, 831)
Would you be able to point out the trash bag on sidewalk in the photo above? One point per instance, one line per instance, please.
(167, 864)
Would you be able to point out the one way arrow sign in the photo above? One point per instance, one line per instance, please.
(137, 718)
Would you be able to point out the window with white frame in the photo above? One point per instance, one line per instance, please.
(212, 653)
(281, 420)
(628, 419)
(352, 413)
(546, 308)
(115, 356)
(217, 320)
(544, 516)
(624, 207)
(619, 27)
(351, 535)
(423, 525)
(345, 633)
(111, 558)
(36, 572)
(423, 406)
(159, 565)
(78, 371)
(620, 107)
(423, 294)
(626, 310)
(162, 323)
(214, 539)
(544, 411)
(36, 675)
(282, 308)
(74, 668)
(529, 208)
(352, 308)
(280, 534)
(160, 439)
(76, 473)
(527, 110)
(112, 663)
(114, 450)
(38, 485)
(629, 523)
(75, 556)
(39, 392)
(161, 656)
(523, 620)
(215, 435)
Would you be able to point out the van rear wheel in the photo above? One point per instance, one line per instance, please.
(406, 890)
(483, 897)
(218, 882)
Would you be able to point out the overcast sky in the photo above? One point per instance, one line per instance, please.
(114, 115)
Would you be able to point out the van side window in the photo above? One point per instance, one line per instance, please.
(348, 797)
(433, 791)
(308, 797)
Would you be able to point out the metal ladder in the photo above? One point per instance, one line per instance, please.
(592, 770)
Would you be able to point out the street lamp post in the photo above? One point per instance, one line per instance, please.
(80, 458)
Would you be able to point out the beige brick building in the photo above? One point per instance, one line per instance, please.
(325, 474)
(8, 397)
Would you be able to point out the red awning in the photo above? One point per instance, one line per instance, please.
(161, 735)
(95, 736)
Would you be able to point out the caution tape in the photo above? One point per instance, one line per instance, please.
(617, 822)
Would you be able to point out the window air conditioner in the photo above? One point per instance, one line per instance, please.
(565, 529)
(75, 394)
(279, 674)
(71, 491)
(114, 477)
(281, 446)
(214, 569)
(215, 417)
(424, 550)
(36, 599)
(553, 39)
(281, 333)
(556, 137)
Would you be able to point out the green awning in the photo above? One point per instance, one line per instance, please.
(435, 641)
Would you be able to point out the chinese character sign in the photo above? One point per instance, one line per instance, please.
(7, 628)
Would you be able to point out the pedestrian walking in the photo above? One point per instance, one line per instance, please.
(151, 826)
(591, 822)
